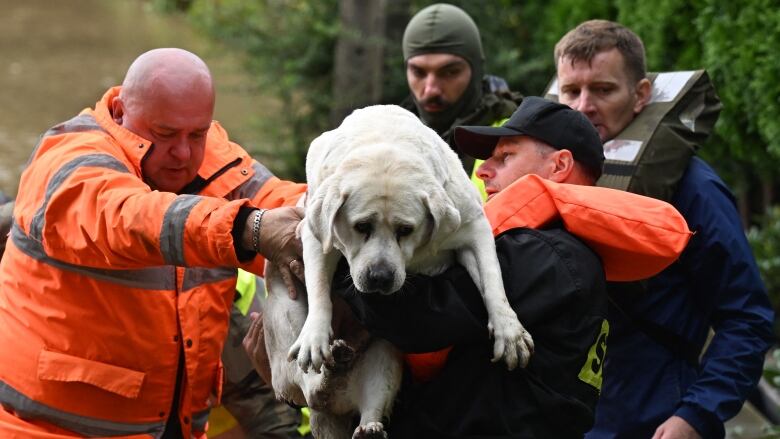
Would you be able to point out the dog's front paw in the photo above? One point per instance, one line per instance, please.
(312, 348)
(510, 341)
(372, 430)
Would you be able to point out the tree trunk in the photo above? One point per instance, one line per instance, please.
(359, 61)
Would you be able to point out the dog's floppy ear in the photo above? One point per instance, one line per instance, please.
(444, 215)
(323, 207)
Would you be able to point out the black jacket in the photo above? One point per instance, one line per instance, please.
(556, 285)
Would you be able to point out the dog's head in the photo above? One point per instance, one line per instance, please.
(378, 211)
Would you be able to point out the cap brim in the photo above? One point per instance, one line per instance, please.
(479, 141)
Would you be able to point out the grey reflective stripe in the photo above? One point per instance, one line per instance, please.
(199, 420)
(86, 426)
(153, 278)
(79, 124)
(194, 277)
(172, 230)
(249, 188)
(89, 160)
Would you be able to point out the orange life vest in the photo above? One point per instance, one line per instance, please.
(105, 283)
(635, 236)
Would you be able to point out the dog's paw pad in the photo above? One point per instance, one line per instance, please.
(372, 430)
(342, 352)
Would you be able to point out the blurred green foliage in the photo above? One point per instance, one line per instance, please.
(289, 46)
(764, 238)
(289, 49)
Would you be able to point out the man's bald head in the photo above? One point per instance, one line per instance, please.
(167, 97)
(171, 71)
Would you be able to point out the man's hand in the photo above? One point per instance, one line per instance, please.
(676, 428)
(279, 243)
(254, 345)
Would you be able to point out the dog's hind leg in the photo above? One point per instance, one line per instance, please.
(329, 426)
(282, 321)
(376, 377)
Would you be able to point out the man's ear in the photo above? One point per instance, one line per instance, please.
(562, 165)
(117, 110)
(322, 209)
(644, 89)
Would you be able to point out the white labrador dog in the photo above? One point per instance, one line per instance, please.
(387, 193)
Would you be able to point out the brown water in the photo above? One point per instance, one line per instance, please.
(59, 56)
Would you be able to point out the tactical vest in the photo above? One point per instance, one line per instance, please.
(650, 156)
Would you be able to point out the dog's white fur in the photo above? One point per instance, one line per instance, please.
(388, 194)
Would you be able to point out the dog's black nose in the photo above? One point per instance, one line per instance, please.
(380, 278)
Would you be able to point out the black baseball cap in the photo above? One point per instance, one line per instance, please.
(550, 122)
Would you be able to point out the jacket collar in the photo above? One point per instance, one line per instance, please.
(134, 146)
(219, 153)
(524, 203)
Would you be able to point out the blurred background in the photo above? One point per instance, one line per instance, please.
(286, 70)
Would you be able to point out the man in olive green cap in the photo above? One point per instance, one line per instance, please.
(445, 72)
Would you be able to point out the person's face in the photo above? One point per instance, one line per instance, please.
(177, 126)
(603, 91)
(514, 157)
(437, 80)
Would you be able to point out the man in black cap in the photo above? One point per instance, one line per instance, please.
(554, 282)
(444, 70)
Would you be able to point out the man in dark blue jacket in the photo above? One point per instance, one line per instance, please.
(655, 385)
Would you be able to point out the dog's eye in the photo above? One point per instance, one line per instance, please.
(402, 231)
(363, 227)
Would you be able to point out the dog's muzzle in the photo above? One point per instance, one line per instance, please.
(379, 278)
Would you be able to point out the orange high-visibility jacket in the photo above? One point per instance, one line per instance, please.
(635, 236)
(105, 282)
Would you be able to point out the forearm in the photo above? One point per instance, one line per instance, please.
(738, 312)
(265, 192)
(729, 372)
(278, 193)
(242, 234)
(724, 291)
(112, 220)
(727, 290)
